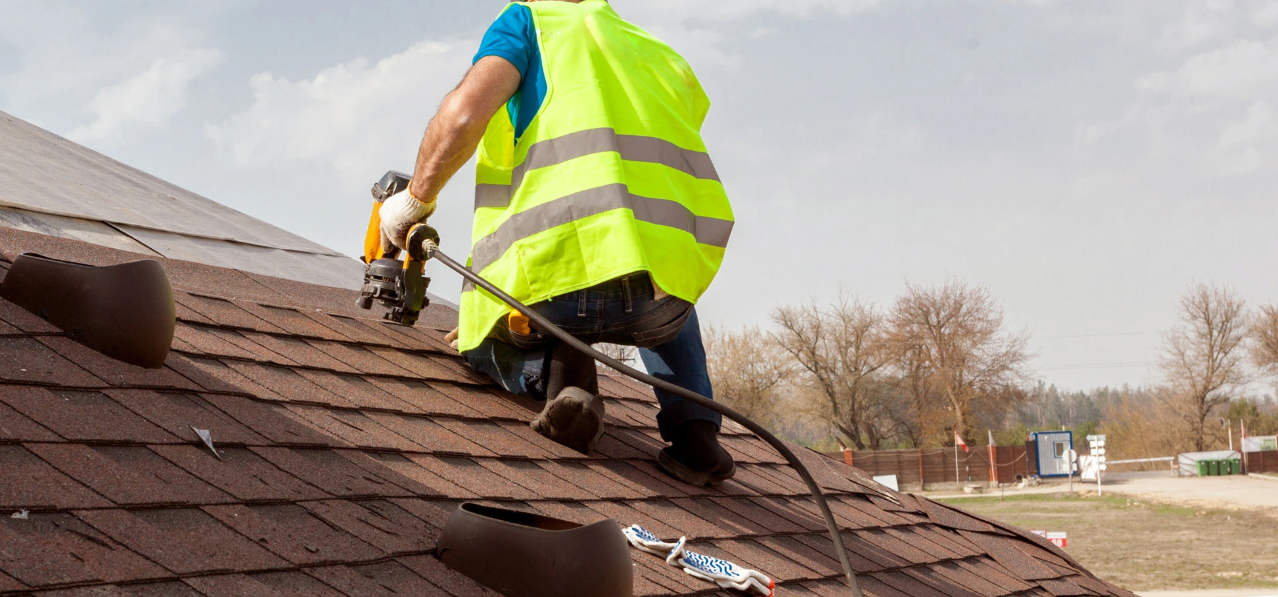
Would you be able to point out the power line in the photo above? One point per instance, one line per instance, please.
(1097, 366)
(1046, 354)
(1097, 335)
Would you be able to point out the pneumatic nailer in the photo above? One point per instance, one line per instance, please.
(399, 285)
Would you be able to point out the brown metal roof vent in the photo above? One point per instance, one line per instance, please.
(123, 311)
(519, 554)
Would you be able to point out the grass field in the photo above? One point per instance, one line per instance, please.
(1146, 546)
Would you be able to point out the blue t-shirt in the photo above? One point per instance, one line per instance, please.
(514, 38)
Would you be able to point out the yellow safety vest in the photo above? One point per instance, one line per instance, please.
(610, 178)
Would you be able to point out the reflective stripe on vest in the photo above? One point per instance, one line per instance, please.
(632, 148)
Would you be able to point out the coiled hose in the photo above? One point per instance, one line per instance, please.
(430, 249)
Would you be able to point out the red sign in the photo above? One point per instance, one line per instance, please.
(1057, 539)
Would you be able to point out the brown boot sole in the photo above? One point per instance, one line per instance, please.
(680, 471)
(575, 418)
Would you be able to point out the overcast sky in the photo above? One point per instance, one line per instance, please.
(1085, 160)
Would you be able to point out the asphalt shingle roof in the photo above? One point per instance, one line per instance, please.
(346, 442)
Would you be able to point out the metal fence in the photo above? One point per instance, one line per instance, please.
(915, 468)
(1262, 462)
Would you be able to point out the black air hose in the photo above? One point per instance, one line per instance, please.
(430, 249)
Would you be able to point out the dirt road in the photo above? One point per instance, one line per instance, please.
(1234, 492)
(1204, 492)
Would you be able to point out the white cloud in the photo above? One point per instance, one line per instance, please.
(697, 28)
(1244, 70)
(1266, 16)
(349, 120)
(147, 100)
(1202, 20)
(717, 10)
(1257, 126)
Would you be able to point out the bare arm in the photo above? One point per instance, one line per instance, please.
(456, 130)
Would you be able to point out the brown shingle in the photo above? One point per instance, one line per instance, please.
(178, 412)
(129, 475)
(535, 478)
(28, 360)
(476, 479)
(360, 358)
(424, 398)
(231, 585)
(752, 554)
(359, 391)
(292, 321)
(84, 415)
(379, 523)
(224, 313)
(9, 583)
(441, 576)
(418, 479)
(1062, 587)
(727, 523)
(32, 484)
(430, 436)
(239, 472)
(494, 438)
(374, 580)
(294, 533)
(15, 427)
(211, 341)
(932, 578)
(861, 563)
(248, 349)
(57, 548)
(594, 479)
(185, 541)
(987, 569)
(1004, 551)
(295, 584)
(330, 472)
(116, 373)
(418, 364)
(272, 422)
(22, 320)
(299, 352)
(288, 384)
(352, 427)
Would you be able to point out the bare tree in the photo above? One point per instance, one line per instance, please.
(1264, 333)
(839, 350)
(627, 355)
(1201, 360)
(953, 334)
(746, 370)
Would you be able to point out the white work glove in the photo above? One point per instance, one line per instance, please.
(725, 574)
(399, 213)
(644, 540)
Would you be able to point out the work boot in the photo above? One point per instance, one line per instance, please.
(695, 456)
(575, 418)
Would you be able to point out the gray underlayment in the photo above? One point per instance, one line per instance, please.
(53, 186)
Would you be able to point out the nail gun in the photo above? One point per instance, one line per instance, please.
(399, 285)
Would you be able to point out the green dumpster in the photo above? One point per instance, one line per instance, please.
(1202, 468)
(1215, 468)
(1235, 466)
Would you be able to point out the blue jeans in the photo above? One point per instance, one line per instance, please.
(622, 311)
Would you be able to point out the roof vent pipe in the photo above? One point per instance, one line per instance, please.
(123, 311)
(519, 554)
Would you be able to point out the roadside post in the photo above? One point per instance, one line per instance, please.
(1071, 460)
(1097, 445)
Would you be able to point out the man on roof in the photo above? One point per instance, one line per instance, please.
(596, 204)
